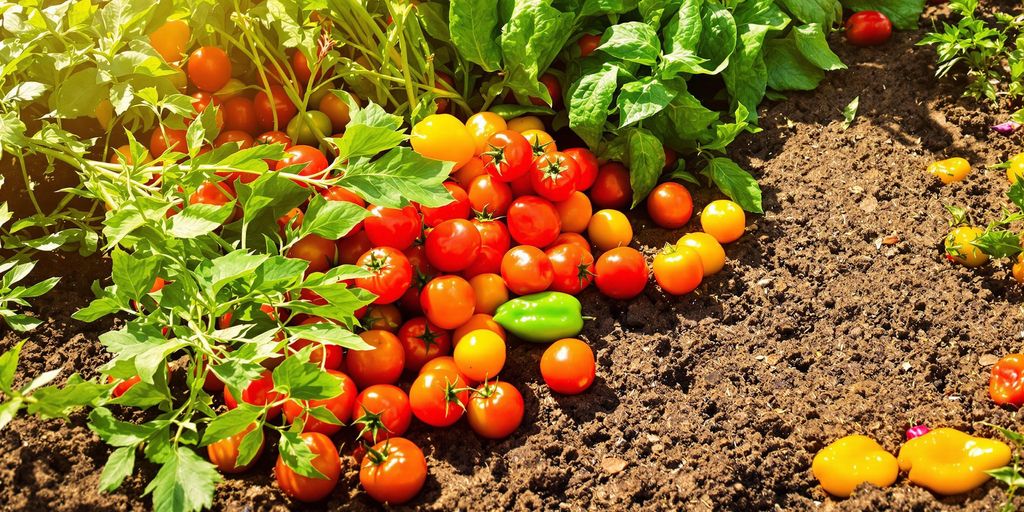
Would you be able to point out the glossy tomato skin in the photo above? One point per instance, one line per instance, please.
(448, 301)
(386, 317)
(164, 139)
(352, 247)
(526, 269)
(422, 341)
(494, 243)
(609, 229)
(224, 453)
(327, 462)
(554, 176)
(508, 156)
(621, 273)
(490, 291)
(445, 363)
(443, 137)
(482, 125)
(171, 39)
(533, 221)
(588, 43)
(337, 111)
(568, 367)
(203, 100)
(575, 212)
(495, 410)
(271, 137)
(453, 245)
(489, 196)
(382, 365)
(472, 169)
(554, 90)
(320, 252)
(209, 68)
(480, 354)
(670, 205)
(572, 268)
(724, 220)
(340, 406)
(611, 188)
(240, 114)
(459, 208)
(313, 162)
(277, 102)
(394, 471)
(382, 411)
(479, 321)
(868, 28)
(438, 397)
(678, 270)
(336, 193)
(243, 139)
(392, 274)
(259, 392)
(393, 227)
(216, 194)
(712, 255)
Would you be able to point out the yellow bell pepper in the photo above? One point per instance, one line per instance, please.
(950, 170)
(850, 461)
(948, 461)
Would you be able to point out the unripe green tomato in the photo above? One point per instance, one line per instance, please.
(303, 128)
(317, 96)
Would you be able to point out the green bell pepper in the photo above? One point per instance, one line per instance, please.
(542, 317)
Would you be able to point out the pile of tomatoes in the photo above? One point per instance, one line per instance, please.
(522, 220)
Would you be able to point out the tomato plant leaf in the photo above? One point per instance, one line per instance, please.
(589, 101)
(850, 112)
(116, 432)
(54, 402)
(185, 483)
(903, 14)
(230, 423)
(200, 219)
(133, 275)
(642, 99)
(823, 12)
(474, 31)
(998, 243)
(371, 130)
(717, 37)
(810, 40)
(297, 456)
(1016, 193)
(653, 11)
(682, 32)
(302, 380)
(399, 177)
(633, 41)
(119, 465)
(530, 41)
(250, 446)
(8, 365)
(325, 332)
(510, 111)
(788, 69)
(646, 160)
(331, 219)
(735, 182)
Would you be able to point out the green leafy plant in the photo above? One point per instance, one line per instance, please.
(989, 49)
(999, 239)
(1011, 473)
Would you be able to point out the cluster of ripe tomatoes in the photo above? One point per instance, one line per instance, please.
(522, 220)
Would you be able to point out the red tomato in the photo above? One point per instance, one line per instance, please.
(494, 243)
(352, 247)
(489, 196)
(224, 453)
(312, 160)
(393, 227)
(445, 363)
(209, 68)
(423, 341)
(259, 392)
(568, 366)
(164, 139)
(208, 192)
(495, 410)
(266, 108)
(382, 411)
(327, 462)
(587, 163)
(572, 268)
(611, 188)
(320, 252)
(453, 245)
(240, 114)
(438, 397)
(459, 208)
(508, 155)
(554, 176)
(393, 471)
(448, 301)
(570, 238)
(533, 221)
(868, 28)
(526, 269)
(621, 273)
(202, 101)
(385, 317)
(554, 90)
(337, 193)
(382, 365)
(670, 205)
(392, 274)
(272, 137)
(423, 274)
(523, 186)
(325, 355)
(244, 141)
(340, 406)
(588, 43)
(122, 387)
(300, 64)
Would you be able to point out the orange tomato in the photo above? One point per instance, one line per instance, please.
(575, 212)
(490, 291)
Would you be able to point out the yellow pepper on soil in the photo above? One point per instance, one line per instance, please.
(948, 461)
(950, 170)
(850, 461)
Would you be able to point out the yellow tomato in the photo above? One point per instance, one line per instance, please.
(1018, 269)
(540, 141)
(852, 460)
(575, 212)
(482, 125)
(443, 137)
(521, 124)
(950, 170)
(104, 113)
(1016, 168)
(724, 220)
(960, 248)
(480, 355)
(609, 229)
(490, 291)
(479, 321)
(711, 253)
(170, 40)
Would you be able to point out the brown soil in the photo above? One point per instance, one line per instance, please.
(718, 400)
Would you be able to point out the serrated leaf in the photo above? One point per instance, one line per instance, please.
(399, 177)
(331, 219)
(185, 483)
(230, 423)
(119, 465)
(735, 182)
(199, 219)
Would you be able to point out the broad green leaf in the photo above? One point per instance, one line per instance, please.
(370, 131)
(297, 456)
(119, 465)
(511, 111)
(735, 182)
(234, 265)
(133, 275)
(474, 31)
(250, 446)
(54, 402)
(185, 483)
(788, 69)
(230, 423)
(399, 177)
(1016, 194)
(331, 219)
(530, 41)
(646, 160)
(9, 409)
(822, 12)
(810, 40)
(717, 37)
(605, 7)
(200, 219)
(116, 432)
(589, 101)
(79, 95)
(683, 30)
(326, 332)
(642, 99)
(654, 11)
(766, 13)
(8, 365)
(305, 381)
(746, 78)
(632, 41)
(902, 13)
